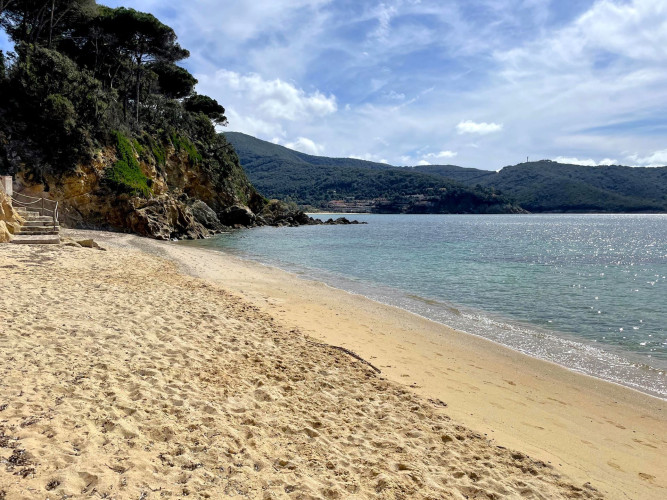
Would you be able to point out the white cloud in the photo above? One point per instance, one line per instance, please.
(657, 159)
(392, 94)
(384, 16)
(635, 30)
(483, 128)
(608, 161)
(305, 145)
(442, 154)
(253, 125)
(273, 98)
(423, 163)
(570, 160)
(369, 157)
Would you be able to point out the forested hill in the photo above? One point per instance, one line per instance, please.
(547, 186)
(543, 186)
(256, 150)
(96, 111)
(345, 184)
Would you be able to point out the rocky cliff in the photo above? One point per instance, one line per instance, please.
(185, 198)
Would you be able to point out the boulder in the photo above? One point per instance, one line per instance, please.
(205, 215)
(69, 242)
(238, 215)
(342, 221)
(89, 244)
(164, 218)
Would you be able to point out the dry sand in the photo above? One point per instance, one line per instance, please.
(123, 377)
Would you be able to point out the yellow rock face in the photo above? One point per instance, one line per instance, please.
(5, 235)
(10, 220)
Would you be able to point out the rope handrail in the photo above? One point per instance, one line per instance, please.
(39, 209)
(34, 205)
(25, 203)
(26, 196)
(33, 198)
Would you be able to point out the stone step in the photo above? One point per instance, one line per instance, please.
(37, 230)
(37, 233)
(39, 223)
(36, 240)
(37, 217)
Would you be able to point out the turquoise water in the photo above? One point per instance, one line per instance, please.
(586, 291)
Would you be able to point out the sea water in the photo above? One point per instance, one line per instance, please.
(588, 292)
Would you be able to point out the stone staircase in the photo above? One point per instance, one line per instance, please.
(37, 229)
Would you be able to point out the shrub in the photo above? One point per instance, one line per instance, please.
(126, 175)
(138, 147)
(182, 143)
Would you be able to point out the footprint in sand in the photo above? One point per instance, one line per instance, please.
(639, 441)
(89, 480)
(618, 426)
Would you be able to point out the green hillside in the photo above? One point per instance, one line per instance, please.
(547, 186)
(460, 174)
(542, 186)
(281, 173)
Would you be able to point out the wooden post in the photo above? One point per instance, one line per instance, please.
(42, 204)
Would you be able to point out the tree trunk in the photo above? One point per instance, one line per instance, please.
(53, 8)
(139, 61)
(138, 90)
(4, 4)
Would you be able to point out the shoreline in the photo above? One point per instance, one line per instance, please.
(590, 430)
(481, 337)
(628, 363)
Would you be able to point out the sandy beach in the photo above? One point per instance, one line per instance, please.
(159, 370)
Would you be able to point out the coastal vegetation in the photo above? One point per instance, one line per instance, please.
(96, 110)
(126, 173)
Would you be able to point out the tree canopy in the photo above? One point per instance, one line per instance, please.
(208, 106)
(174, 82)
(80, 71)
(42, 21)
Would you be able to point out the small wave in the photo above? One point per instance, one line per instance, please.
(433, 302)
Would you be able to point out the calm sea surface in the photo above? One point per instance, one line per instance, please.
(586, 291)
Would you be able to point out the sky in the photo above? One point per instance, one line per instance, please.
(476, 83)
